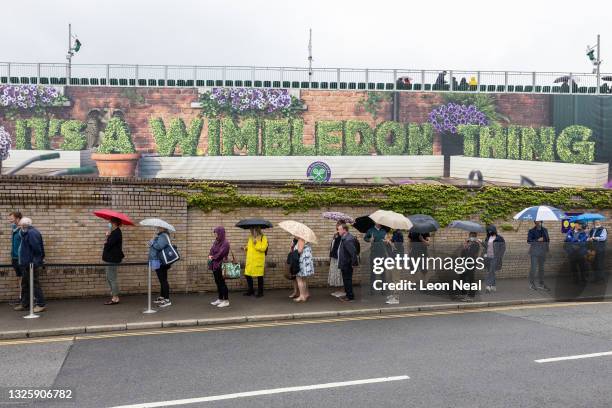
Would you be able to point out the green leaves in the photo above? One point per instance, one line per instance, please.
(176, 135)
(358, 138)
(574, 145)
(276, 137)
(245, 135)
(74, 139)
(116, 138)
(420, 139)
(328, 136)
(391, 138)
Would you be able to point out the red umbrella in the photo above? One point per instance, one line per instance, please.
(108, 214)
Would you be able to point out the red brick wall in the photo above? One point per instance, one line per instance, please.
(141, 104)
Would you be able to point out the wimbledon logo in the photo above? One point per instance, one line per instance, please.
(319, 172)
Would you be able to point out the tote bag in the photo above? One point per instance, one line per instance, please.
(231, 270)
(169, 254)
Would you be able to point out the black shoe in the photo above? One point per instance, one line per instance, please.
(259, 295)
(248, 293)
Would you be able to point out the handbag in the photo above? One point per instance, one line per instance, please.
(170, 253)
(231, 270)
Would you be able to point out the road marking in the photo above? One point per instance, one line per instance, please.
(576, 357)
(265, 392)
(252, 325)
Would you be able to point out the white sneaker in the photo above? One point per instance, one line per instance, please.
(393, 300)
(338, 294)
(216, 302)
(493, 289)
(165, 303)
(159, 300)
(488, 289)
(224, 303)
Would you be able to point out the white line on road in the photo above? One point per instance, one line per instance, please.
(265, 392)
(576, 357)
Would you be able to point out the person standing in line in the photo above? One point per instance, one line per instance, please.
(495, 248)
(156, 245)
(256, 250)
(293, 264)
(575, 246)
(471, 250)
(392, 275)
(598, 236)
(218, 253)
(14, 218)
(419, 248)
(334, 279)
(306, 270)
(539, 242)
(376, 236)
(31, 251)
(112, 254)
(347, 259)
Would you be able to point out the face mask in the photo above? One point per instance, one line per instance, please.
(110, 226)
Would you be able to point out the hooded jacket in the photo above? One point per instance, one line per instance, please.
(499, 246)
(32, 248)
(219, 249)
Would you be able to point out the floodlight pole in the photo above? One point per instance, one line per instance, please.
(70, 53)
(598, 63)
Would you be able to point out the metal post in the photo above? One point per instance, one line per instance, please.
(478, 81)
(533, 81)
(149, 309)
(165, 75)
(338, 77)
(450, 80)
(107, 75)
(570, 82)
(223, 70)
(598, 64)
(195, 75)
(422, 80)
(367, 78)
(136, 74)
(505, 81)
(31, 315)
(69, 56)
(395, 79)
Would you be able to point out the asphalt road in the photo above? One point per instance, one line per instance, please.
(471, 359)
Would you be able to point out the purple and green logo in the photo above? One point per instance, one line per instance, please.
(319, 172)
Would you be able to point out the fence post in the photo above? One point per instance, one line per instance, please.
(107, 75)
(478, 81)
(533, 80)
(136, 74)
(149, 309)
(38, 73)
(395, 79)
(31, 315)
(450, 80)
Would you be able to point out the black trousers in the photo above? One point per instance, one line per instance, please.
(578, 268)
(39, 297)
(347, 279)
(162, 275)
(220, 282)
(599, 263)
(469, 277)
(260, 285)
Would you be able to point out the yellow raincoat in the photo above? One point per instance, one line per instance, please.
(256, 256)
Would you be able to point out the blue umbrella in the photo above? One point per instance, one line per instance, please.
(540, 213)
(587, 217)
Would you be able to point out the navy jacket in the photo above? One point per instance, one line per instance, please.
(347, 252)
(32, 248)
(538, 248)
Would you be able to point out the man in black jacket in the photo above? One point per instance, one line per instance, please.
(538, 241)
(347, 259)
(31, 252)
(113, 255)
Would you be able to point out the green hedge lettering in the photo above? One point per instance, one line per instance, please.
(328, 136)
(420, 139)
(276, 137)
(352, 129)
(298, 148)
(574, 145)
(116, 138)
(393, 132)
(74, 139)
(242, 136)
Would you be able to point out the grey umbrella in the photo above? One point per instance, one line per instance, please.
(254, 222)
(423, 224)
(469, 226)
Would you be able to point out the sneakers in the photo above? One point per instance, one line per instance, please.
(224, 303)
(39, 309)
(216, 302)
(165, 303)
(493, 289)
(532, 286)
(543, 287)
(19, 308)
(392, 300)
(488, 289)
(159, 300)
(338, 294)
(345, 299)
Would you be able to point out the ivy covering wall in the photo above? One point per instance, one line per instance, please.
(444, 202)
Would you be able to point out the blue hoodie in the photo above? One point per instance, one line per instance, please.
(16, 242)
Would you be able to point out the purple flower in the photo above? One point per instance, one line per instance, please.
(447, 118)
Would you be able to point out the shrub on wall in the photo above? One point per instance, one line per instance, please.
(354, 129)
(214, 137)
(240, 136)
(116, 138)
(420, 139)
(471, 134)
(394, 132)
(40, 127)
(5, 144)
(298, 148)
(529, 144)
(54, 127)
(574, 145)
(493, 142)
(546, 143)
(74, 139)
(276, 137)
(327, 134)
(514, 142)
(177, 134)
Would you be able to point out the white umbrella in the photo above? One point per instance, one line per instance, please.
(157, 222)
(297, 229)
(391, 219)
(540, 213)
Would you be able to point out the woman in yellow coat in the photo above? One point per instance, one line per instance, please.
(256, 250)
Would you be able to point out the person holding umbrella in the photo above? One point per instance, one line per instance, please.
(217, 254)
(575, 247)
(376, 235)
(334, 279)
(347, 259)
(112, 254)
(256, 249)
(471, 249)
(538, 241)
(598, 236)
(303, 236)
(494, 250)
(159, 242)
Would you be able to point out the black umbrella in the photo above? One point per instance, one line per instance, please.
(254, 222)
(606, 78)
(469, 226)
(565, 79)
(363, 224)
(423, 224)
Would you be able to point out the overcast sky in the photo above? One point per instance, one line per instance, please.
(542, 35)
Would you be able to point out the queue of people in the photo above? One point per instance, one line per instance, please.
(582, 247)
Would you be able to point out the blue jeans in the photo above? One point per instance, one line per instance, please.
(491, 272)
(537, 264)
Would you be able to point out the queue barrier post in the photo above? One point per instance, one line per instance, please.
(149, 309)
